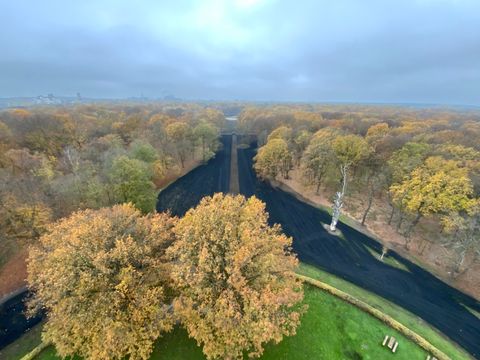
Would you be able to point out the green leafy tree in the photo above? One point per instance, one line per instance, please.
(142, 150)
(207, 135)
(131, 182)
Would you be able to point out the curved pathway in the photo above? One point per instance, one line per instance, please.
(413, 289)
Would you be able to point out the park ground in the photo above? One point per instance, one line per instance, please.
(427, 254)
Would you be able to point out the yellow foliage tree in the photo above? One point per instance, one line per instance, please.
(235, 275)
(439, 186)
(273, 159)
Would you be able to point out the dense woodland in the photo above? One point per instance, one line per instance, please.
(80, 183)
(422, 165)
(54, 161)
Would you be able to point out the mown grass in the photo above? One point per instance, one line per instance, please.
(331, 329)
(23, 345)
(403, 316)
(387, 259)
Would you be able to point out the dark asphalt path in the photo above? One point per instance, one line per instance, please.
(415, 290)
(207, 179)
(13, 322)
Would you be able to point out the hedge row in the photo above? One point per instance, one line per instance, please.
(35, 352)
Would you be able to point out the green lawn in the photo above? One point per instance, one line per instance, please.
(408, 319)
(331, 329)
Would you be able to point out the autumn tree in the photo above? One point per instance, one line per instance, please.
(22, 221)
(102, 278)
(282, 132)
(400, 165)
(348, 150)
(377, 132)
(318, 157)
(375, 173)
(299, 144)
(214, 117)
(439, 186)
(178, 134)
(235, 276)
(273, 159)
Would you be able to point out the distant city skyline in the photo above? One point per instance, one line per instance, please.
(409, 52)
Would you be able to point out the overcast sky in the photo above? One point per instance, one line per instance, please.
(421, 51)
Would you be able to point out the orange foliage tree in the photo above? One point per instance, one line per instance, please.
(235, 276)
(101, 275)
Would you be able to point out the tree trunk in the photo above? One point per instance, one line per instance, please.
(458, 265)
(423, 246)
(338, 203)
(370, 201)
(409, 231)
(337, 206)
(390, 218)
(384, 252)
(400, 221)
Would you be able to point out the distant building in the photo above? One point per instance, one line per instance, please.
(50, 99)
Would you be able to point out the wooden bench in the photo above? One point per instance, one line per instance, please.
(390, 342)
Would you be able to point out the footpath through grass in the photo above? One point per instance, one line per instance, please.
(331, 329)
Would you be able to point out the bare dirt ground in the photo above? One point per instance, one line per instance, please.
(177, 172)
(428, 254)
(13, 274)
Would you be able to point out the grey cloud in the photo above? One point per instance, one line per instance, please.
(374, 51)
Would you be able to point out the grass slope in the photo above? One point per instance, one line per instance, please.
(403, 316)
